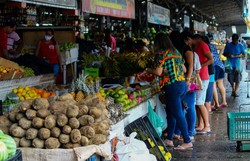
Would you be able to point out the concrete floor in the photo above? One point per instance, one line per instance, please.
(216, 146)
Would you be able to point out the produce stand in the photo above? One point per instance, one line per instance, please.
(7, 86)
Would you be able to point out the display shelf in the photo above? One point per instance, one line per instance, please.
(7, 86)
(45, 27)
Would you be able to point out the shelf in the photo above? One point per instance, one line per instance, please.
(45, 27)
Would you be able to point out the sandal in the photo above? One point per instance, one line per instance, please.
(181, 148)
(223, 105)
(167, 143)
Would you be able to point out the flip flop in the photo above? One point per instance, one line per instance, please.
(203, 132)
(223, 105)
(181, 148)
(168, 145)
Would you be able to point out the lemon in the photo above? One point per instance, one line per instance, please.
(15, 91)
(20, 87)
(27, 88)
(20, 90)
(21, 98)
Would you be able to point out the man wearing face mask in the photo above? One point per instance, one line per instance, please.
(48, 49)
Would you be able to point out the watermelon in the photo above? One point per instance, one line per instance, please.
(10, 144)
(3, 151)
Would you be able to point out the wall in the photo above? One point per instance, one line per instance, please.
(240, 29)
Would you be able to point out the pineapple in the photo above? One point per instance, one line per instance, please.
(79, 96)
(73, 94)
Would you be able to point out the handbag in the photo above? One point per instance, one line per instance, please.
(196, 79)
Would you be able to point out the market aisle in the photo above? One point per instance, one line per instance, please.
(215, 147)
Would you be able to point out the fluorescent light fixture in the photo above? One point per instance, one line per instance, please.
(234, 29)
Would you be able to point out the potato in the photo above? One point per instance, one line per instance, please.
(19, 116)
(52, 143)
(50, 122)
(98, 139)
(101, 128)
(31, 133)
(72, 111)
(25, 142)
(66, 129)
(65, 97)
(101, 105)
(74, 123)
(86, 120)
(83, 110)
(95, 112)
(44, 133)
(4, 129)
(4, 121)
(17, 140)
(24, 123)
(25, 105)
(95, 101)
(70, 146)
(12, 126)
(55, 132)
(64, 139)
(58, 107)
(43, 113)
(84, 141)
(62, 120)
(87, 131)
(40, 103)
(37, 122)
(30, 114)
(75, 136)
(12, 116)
(38, 143)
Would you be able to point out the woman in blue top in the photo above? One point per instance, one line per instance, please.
(234, 52)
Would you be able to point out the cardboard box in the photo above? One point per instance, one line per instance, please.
(15, 74)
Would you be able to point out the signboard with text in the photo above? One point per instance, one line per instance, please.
(186, 21)
(158, 15)
(115, 8)
(66, 3)
(198, 26)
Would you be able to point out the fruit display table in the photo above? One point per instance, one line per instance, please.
(7, 86)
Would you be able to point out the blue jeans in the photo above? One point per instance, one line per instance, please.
(175, 115)
(56, 68)
(190, 113)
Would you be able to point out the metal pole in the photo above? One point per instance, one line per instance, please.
(147, 18)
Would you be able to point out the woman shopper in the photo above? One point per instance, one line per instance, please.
(219, 74)
(170, 69)
(193, 66)
(48, 49)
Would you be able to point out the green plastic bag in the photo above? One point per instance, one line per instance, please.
(156, 121)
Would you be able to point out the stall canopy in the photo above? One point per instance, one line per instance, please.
(158, 15)
(118, 8)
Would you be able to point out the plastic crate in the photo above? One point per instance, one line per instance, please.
(92, 158)
(17, 157)
(239, 126)
(146, 131)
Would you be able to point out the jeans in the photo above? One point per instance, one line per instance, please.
(190, 113)
(174, 109)
(56, 69)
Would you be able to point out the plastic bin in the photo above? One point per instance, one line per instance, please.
(17, 157)
(146, 131)
(239, 126)
(92, 158)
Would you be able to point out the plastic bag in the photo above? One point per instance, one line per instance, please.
(228, 66)
(156, 121)
(161, 112)
(131, 149)
(238, 64)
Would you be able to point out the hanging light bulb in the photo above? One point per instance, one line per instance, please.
(176, 10)
(185, 12)
(193, 6)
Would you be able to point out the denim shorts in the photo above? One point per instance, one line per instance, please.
(209, 95)
(201, 94)
(219, 73)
